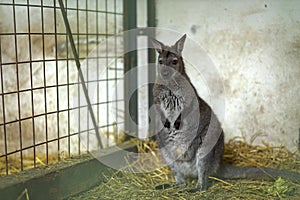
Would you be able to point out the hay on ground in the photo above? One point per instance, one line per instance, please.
(124, 185)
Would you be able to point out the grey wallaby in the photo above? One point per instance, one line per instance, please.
(190, 135)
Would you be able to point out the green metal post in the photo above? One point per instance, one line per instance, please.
(130, 62)
(151, 22)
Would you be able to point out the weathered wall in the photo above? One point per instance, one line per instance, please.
(255, 45)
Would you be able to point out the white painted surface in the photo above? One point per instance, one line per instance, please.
(255, 45)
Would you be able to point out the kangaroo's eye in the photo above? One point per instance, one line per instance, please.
(174, 61)
(160, 61)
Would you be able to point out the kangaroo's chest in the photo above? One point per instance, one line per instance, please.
(172, 104)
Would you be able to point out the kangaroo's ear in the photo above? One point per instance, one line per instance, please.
(180, 43)
(157, 45)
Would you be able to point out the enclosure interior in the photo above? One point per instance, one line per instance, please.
(44, 115)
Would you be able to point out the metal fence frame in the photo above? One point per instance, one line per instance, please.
(56, 8)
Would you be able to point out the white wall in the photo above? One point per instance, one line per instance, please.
(255, 45)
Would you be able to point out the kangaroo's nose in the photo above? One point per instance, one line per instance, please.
(165, 71)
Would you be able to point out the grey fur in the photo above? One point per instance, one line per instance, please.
(190, 136)
(175, 96)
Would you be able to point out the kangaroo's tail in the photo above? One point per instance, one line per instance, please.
(227, 171)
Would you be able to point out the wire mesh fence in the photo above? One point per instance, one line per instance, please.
(43, 115)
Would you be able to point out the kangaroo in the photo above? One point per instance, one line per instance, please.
(190, 136)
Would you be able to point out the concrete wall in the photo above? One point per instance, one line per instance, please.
(255, 45)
